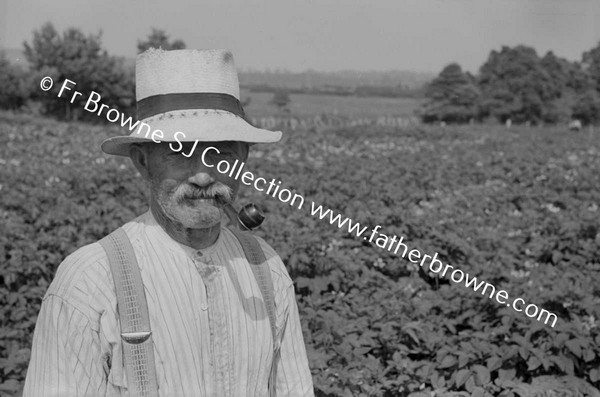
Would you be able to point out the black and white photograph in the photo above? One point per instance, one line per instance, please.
(387, 198)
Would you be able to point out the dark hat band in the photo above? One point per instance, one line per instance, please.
(157, 104)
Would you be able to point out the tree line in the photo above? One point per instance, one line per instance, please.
(513, 84)
(516, 84)
(359, 90)
(80, 58)
(73, 55)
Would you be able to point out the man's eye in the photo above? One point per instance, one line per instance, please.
(173, 155)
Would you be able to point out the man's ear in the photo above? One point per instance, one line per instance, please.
(139, 157)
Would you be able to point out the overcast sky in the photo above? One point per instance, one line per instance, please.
(419, 35)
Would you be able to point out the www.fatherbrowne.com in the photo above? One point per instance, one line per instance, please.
(396, 245)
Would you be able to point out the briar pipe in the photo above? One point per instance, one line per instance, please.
(248, 218)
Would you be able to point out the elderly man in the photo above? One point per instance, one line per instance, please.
(175, 304)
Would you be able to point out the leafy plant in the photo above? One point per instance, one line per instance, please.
(518, 208)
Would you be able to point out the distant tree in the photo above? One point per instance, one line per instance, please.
(281, 99)
(15, 91)
(81, 59)
(566, 74)
(587, 107)
(591, 64)
(159, 39)
(569, 81)
(453, 97)
(515, 85)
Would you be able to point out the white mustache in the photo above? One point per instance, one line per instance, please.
(218, 191)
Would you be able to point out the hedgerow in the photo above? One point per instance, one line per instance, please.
(518, 208)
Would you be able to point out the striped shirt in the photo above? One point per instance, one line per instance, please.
(212, 335)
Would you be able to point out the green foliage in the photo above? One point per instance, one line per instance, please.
(515, 85)
(569, 84)
(566, 75)
(453, 97)
(518, 208)
(587, 107)
(14, 92)
(82, 60)
(591, 63)
(159, 39)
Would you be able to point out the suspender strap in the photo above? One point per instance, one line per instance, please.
(262, 273)
(136, 335)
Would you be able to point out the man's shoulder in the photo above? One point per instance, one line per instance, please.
(81, 273)
(88, 267)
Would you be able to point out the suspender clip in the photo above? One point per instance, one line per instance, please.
(135, 338)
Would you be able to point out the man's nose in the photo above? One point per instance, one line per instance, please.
(201, 178)
(201, 175)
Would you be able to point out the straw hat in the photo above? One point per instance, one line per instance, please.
(188, 95)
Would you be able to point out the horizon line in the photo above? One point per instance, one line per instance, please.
(283, 70)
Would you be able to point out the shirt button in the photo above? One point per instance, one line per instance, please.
(204, 307)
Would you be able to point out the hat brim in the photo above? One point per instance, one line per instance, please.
(189, 126)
